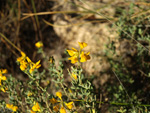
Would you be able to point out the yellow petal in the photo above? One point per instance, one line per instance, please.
(4, 71)
(62, 110)
(29, 60)
(39, 44)
(37, 64)
(14, 108)
(19, 59)
(9, 106)
(74, 76)
(23, 67)
(23, 54)
(88, 53)
(36, 107)
(84, 57)
(82, 44)
(59, 95)
(74, 49)
(53, 100)
(73, 59)
(2, 89)
(69, 105)
(72, 52)
(23, 62)
(4, 78)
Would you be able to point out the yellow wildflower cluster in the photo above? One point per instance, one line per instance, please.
(60, 107)
(25, 62)
(39, 44)
(77, 56)
(12, 107)
(2, 71)
(36, 107)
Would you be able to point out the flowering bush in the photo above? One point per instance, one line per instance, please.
(32, 96)
(49, 88)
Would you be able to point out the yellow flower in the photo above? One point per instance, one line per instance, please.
(53, 100)
(73, 59)
(4, 71)
(14, 108)
(62, 110)
(84, 57)
(74, 76)
(59, 95)
(69, 105)
(56, 108)
(39, 44)
(4, 89)
(29, 60)
(2, 78)
(36, 107)
(10, 106)
(76, 55)
(19, 59)
(22, 61)
(23, 54)
(35, 66)
(82, 44)
(73, 52)
(23, 65)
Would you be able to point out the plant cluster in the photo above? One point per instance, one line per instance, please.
(46, 90)
(131, 65)
(34, 95)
